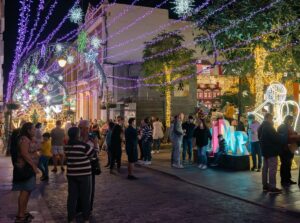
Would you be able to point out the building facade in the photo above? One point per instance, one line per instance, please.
(121, 55)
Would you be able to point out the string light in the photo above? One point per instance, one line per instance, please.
(232, 25)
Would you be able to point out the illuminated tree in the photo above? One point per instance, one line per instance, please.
(173, 65)
(266, 31)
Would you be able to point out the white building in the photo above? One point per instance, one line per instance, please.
(125, 37)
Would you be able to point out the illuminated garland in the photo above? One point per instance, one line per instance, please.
(288, 24)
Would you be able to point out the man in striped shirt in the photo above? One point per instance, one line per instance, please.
(79, 172)
(147, 141)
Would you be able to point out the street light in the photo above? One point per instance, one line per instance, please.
(62, 62)
(40, 85)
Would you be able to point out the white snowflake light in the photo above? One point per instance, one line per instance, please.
(70, 59)
(58, 48)
(76, 15)
(90, 56)
(183, 7)
(96, 42)
(60, 77)
(45, 78)
(31, 78)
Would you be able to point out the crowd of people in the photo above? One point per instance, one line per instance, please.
(78, 147)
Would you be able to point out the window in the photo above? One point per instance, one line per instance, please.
(208, 94)
(199, 94)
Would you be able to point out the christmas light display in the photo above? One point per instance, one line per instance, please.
(189, 44)
(173, 22)
(45, 22)
(70, 59)
(91, 56)
(43, 51)
(53, 33)
(95, 42)
(148, 13)
(58, 48)
(276, 96)
(183, 7)
(82, 41)
(40, 8)
(76, 15)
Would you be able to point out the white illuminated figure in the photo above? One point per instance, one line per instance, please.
(276, 96)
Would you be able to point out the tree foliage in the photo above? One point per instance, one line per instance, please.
(247, 98)
(179, 62)
(282, 45)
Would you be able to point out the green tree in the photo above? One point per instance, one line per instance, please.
(247, 99)
(282, 45)
(173, 65)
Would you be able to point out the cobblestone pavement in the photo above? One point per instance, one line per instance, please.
(156, 197)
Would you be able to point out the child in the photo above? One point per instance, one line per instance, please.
(221, 151)
(45, 156)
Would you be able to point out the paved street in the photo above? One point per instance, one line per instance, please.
(155, 197)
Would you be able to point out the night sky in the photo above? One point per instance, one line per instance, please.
(11, 22)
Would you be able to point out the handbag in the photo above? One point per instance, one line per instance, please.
(95, 163)
(21, 174)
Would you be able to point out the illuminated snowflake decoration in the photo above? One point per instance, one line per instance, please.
(31, 78)
(82, 41)
(76, 15)
(90, 56)
(60, 77)
(58, 48)
(183, 7)
(70, 59)
(45, 78)
(96, 42)
(34, 69)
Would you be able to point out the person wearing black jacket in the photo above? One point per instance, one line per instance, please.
(188, 127)
(286, 156)
(202, 136)
(271, 143)
(131, 139)
(116, 144)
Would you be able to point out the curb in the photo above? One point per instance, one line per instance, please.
(278, 209)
